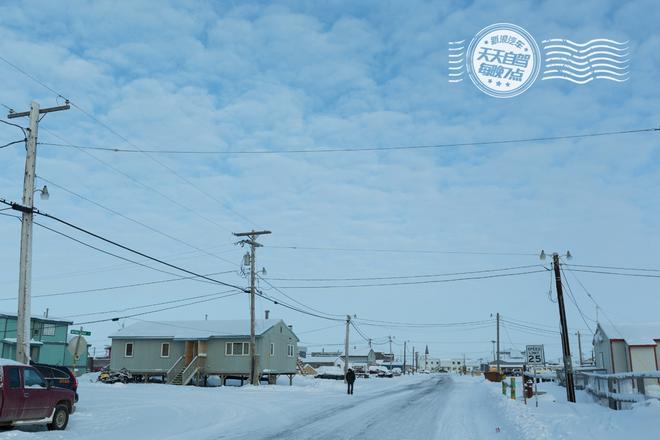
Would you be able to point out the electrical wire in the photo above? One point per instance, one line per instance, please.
(293, 299)
(638, 269)
(117, 318)
(17, 126)
(408, 251)
(103, 251)
(121, 246)
(111, 288)
(404, 276)
(137, 222)
(153, 150)
(147, 187)
(12, 143)
(636, 275)
(408, 283)
(127, 309)
(574, 300)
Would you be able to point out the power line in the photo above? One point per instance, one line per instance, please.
(111, 288)
(638, 269)
(404, 276)
(407, 283)
(127, 309)
(117, 318)
(103, 251)
(635, 275)
(145, 186)
(577, 306)
(121, 246)
(137, 222)
(351, 149)
(405, 251)
(295, 300)
(12, 143)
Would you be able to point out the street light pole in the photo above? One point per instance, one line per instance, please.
(25, 262)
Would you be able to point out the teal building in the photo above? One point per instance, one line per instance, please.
(48, 344)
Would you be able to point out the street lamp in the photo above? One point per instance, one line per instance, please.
(45, 195)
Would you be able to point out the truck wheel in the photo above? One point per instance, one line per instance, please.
(60, 418)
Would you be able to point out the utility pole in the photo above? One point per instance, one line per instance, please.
(252, 241)
(25, 266)
(498, 343)
(404, 356)
(370, 347)
(565, 344)
(348, 325)
(493, 342)
(390, 339)
(413, 360)
(580, 348)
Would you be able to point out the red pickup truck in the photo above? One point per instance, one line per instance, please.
(26, 398)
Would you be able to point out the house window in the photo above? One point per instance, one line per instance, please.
(237, 348)
(289, 350)
(165, 350)
(272, 349)
(49, 329)
(128, 350)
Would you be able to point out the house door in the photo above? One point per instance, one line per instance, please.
(190, 351)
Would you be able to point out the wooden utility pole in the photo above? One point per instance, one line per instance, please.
(565, 344)
(348, 325)
(404, 356)
(498, 343)
(412, 361)
(252, 241)
(23, 335)
(580, 348)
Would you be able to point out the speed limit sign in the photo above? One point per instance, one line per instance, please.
(534, 355)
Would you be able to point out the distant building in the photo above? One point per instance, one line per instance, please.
(183, 350)
(49, 339)
(627, 347)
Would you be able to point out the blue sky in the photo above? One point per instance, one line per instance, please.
(279, 75)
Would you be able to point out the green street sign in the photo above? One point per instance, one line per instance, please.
(81, 333)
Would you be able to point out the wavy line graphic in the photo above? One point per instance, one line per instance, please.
(597, 40)
(581, 63)
(456, 61)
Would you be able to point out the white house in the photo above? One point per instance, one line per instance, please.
(627, 347)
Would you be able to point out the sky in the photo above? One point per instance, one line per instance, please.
(234, 77)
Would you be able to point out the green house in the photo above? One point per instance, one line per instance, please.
(182, 350)
(48, 344)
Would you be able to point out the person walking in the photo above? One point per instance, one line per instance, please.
(350, 380)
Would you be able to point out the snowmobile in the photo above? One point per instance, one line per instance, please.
(108, 376)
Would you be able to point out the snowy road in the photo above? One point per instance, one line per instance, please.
(386, 414)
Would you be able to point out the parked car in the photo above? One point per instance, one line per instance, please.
(26, 398)
(384, 372)
(58, 376)
(396, 371)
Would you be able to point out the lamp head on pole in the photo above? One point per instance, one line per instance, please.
(542, 256)
(45, 195)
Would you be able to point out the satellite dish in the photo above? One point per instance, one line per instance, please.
(77, 347)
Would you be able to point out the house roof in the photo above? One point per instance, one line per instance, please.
(633, 334)
(37, 317)
(358, 352)
(320, 359)
(193, 329)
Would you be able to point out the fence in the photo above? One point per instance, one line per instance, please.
(621, 390)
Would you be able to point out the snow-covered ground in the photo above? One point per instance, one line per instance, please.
(411, 407)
